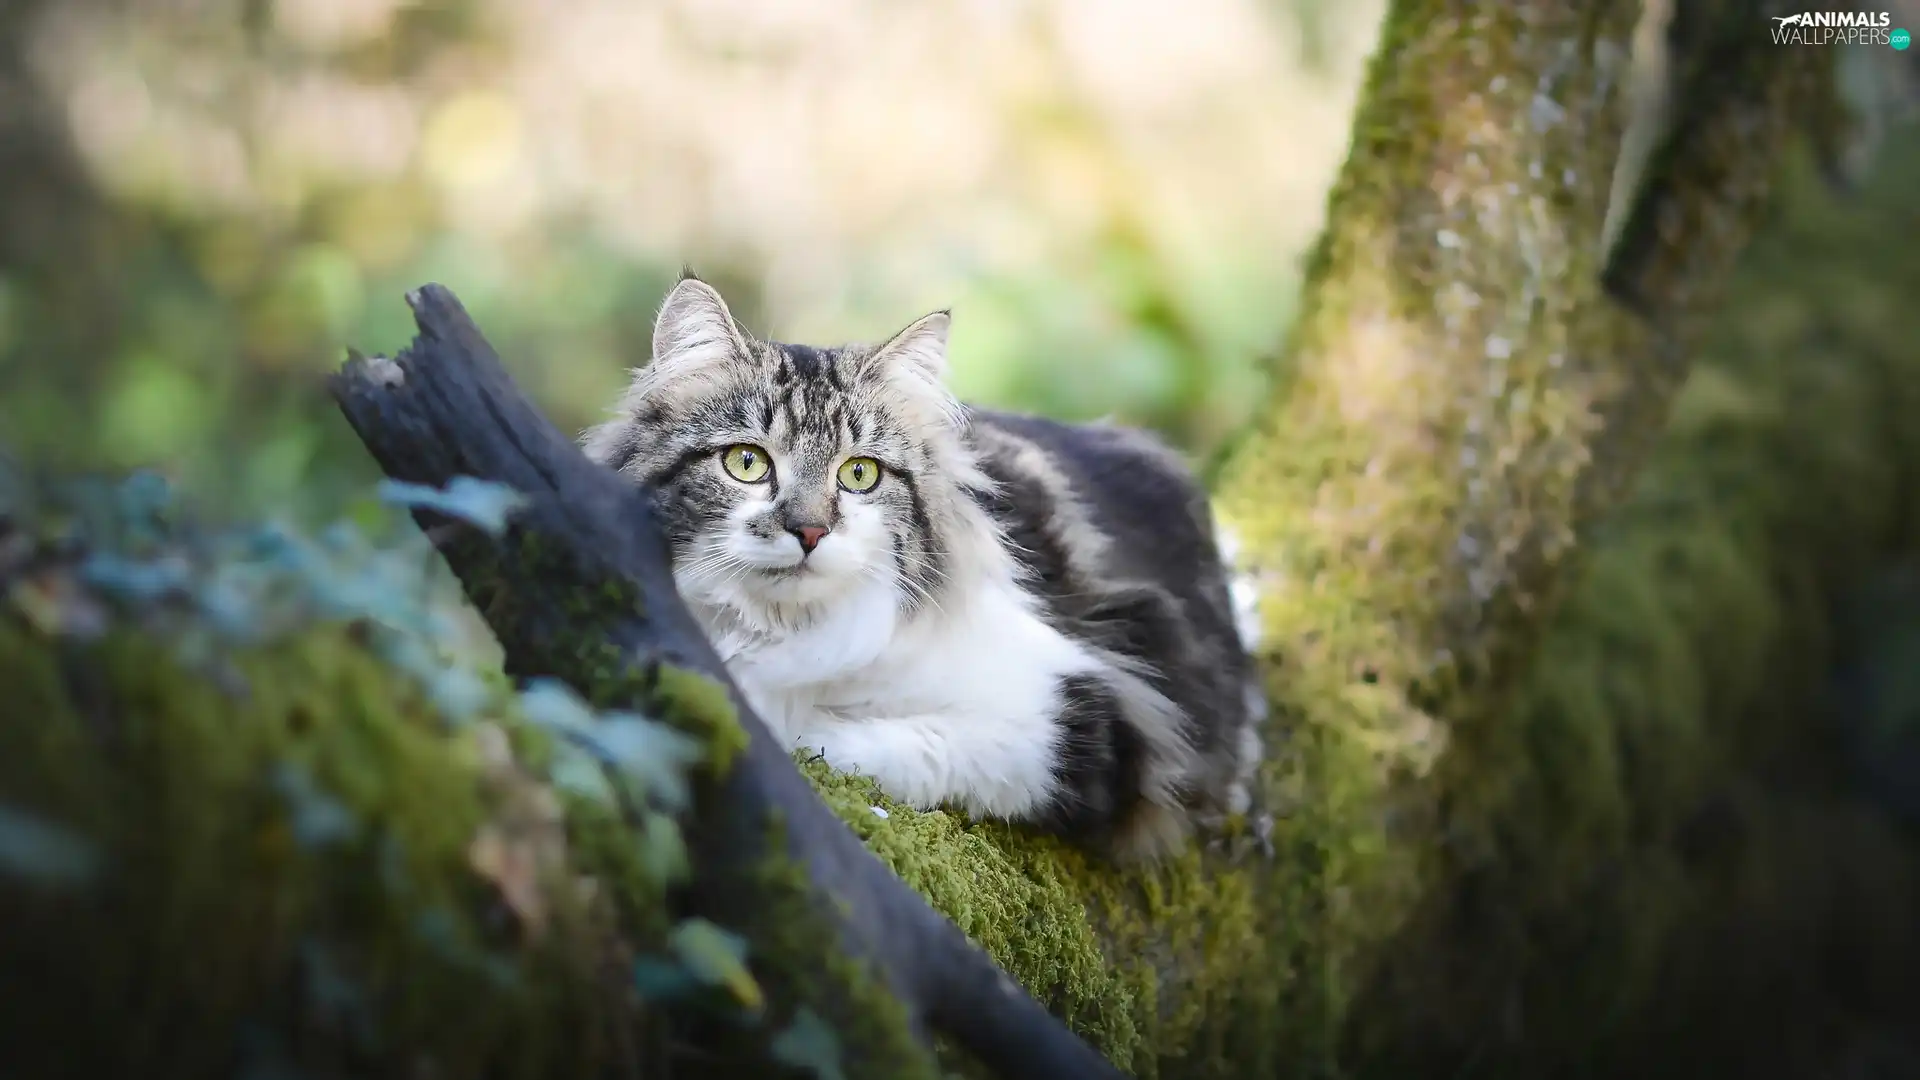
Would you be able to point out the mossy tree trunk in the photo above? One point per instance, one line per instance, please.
(317, 874)
(1475, 379)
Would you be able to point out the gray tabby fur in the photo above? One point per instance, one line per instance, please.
(1024, 619)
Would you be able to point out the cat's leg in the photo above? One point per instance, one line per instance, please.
(1071, 768)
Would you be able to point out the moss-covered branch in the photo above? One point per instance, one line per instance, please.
(579, 588)
(226, 851)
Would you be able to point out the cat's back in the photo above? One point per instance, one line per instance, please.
(1117, 537)
(1068, 490)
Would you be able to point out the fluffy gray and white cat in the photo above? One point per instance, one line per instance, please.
(1014, 617)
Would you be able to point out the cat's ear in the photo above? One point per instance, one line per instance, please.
(914, 363)
(694, 327)
(920, 349)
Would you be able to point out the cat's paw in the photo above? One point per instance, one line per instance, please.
(873, 750)
(927, 762)
(836, 747)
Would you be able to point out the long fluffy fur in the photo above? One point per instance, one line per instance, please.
(1023, 619)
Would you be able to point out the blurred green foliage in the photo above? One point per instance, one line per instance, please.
(151, 317)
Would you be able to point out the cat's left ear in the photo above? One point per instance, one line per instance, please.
(921, 348)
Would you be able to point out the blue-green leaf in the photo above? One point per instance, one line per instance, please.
(458, 693)
(717, 958)
(663, 851)
(658, 979)
(576, 771)
(318, 819)
(480, 503)
(650, 752)
(808, 1043)
(40, 851)
(138, 581)
(553, 705)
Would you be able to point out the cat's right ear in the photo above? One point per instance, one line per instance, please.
(694, 328)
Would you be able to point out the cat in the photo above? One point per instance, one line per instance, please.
(1014, 617)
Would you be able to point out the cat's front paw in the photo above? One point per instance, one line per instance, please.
(929, 762)
(874, 750)
(837, 747)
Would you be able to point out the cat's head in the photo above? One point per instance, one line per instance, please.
(786, 474)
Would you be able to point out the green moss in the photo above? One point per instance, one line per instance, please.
(701, 706)
(1024, 909)
(1684, 675)
(872, 1025)
(310, 830)
(690, 701)
(1149, 964)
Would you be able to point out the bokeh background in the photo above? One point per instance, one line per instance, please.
(204, 202)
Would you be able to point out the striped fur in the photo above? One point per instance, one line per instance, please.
(1023, 619)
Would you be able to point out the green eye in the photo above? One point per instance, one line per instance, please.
(859, 474)
(747, 464)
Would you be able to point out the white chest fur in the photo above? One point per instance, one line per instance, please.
(957, 704)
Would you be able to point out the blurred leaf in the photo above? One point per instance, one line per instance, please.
(458, 693)
(317, 818)
(481, 503)
(155, 410)
(327, 285)
(42, 852)
(553, 705)
(279, 464)
(145, 496)
(717, 958)
(230, 609)
(650, 752)
(646, 753)
(579, 773)
(142, 582)
(663, 850)
(662, 980)
(808, 1043)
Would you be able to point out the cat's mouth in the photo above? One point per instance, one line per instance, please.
(781, 573)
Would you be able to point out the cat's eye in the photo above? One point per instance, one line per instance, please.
(747, 464)
(859, 474)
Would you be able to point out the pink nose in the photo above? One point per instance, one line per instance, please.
(809, 536)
